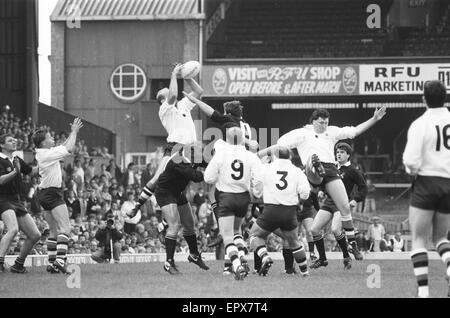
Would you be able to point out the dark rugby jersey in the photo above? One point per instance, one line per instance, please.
(312, 201)
(6, 166)
(351, 177)
(176, 177)
(223, 119)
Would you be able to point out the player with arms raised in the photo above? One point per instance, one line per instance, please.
(318, 139)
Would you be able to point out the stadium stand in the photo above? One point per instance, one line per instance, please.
(301, 29)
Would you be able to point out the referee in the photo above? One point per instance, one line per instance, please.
(12, 210)
(427, 157)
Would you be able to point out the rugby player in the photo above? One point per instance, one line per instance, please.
(232, 171)
(318, 139)
(427, 157)
(233, 114)
(351, 177)
(12, 211)
(281, 184)
(176, 118)
(176, 210)
(50, 193)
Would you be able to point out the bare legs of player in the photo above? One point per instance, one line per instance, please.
(227, 230)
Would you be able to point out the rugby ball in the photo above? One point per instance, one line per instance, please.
(190, 69)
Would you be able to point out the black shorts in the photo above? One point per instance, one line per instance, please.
(166, 198)
(50, 198)
(431, 193)
(233, 204)
(12, 203)
(331, 173)
(329, 206)
(276, 216)
(306, 213)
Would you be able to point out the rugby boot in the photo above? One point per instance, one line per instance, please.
(290, 271)
(18, 269)
(61, 265)
(347, 263)
(240, 273)
(319, 263)
(227, 270)
(197, 260)
(317, 164)
(265, 266)
(52, 269)
(353, 248)
(171, 268)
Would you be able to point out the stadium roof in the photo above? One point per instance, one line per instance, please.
(108, 10)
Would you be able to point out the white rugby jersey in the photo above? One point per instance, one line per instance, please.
(178, 122)
(281, 183)
(308, 142)
(427, 151)
(49, 166)
(232, 170)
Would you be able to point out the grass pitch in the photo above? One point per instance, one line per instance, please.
(149, 280)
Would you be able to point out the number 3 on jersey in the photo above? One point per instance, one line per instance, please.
(238, 167)
(283, 180)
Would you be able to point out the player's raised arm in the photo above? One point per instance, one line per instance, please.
(75, 127)
(208, 110)
(197, 90)
(173, 86)
(377, 116)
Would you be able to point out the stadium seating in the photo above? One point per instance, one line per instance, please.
(301, 29)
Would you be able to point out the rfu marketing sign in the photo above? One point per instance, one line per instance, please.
(400, 79)
(279, 80)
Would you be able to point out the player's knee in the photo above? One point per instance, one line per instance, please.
(315, 231)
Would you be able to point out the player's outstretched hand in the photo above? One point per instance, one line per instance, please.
(177, 69)
(190, 97)
(379, 113)
(76, 125)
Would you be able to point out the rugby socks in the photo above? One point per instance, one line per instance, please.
(51, 250)
(419, 259)
(288, 257)
(443, 249)
(191, 240)
(311, 247)
(340, 239)
(257, 261)
(227, 263)
(62, 242)
(318, 241)
(300, 258)
(262, 253)
(19, 262)
(144, 196)
(240, 243)
(232, 252)
(171, 243)
(2, 260)
(347, 224)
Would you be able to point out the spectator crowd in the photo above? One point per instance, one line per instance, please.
(97, 189)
